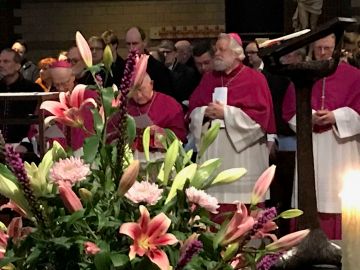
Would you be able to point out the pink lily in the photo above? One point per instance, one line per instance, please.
(69, 198)
(14, 207)
(148, 234)
(91, 248)
(239, 224)
(68, 110)
(84, 49)
(288, 241)
(16, 230)
(140, 69)
(262, 185)
(3, 243)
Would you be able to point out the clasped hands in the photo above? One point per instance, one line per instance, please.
(215, 110)
(323, 117)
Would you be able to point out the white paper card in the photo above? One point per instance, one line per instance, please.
(220, 94)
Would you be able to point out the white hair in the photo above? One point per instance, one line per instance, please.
(233, 45)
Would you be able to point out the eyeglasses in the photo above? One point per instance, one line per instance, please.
(96, 49)
(73, 61)
(251, 52)
(165, 52)
(325, 48)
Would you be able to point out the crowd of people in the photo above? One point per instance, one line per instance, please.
(189, 86)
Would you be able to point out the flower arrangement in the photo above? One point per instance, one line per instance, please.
(105, 210)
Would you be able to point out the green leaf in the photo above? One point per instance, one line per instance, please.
(131, 129)
(291, 213)
(7, 260)
(98, 122)
(187, 157)
(208, 139)
(170, 158)
(219, 237)
(95, 69)
(228, 176)
(107, 95)
(204, 172)
(146, 143)
(119, 260)
(75, 217)
(91, 146)
(61, 241)
(180, 180)
(103, 261)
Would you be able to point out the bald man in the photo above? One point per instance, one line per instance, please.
(135, 39)
(62, 76)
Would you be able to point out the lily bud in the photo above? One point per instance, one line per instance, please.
(91, 248)
(69, 198)
(262, 185)
(107, 58)
(85, 195)
(129, 177)
(230, 251)
(288, 241)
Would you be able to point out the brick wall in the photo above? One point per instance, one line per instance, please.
(50, 26)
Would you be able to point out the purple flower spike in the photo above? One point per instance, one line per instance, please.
(193, 248)
(267, 261)
(17, 167)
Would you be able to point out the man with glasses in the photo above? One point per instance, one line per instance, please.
(183, 76)
(335, 105)
(97, 46)
(251, 51)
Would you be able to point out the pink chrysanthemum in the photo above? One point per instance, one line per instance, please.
(69, 171)
(202, 199)
(144, 191)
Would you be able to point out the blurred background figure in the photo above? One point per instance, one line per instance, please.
(45, 80)
(294, 57)
(97, 46)
(118, 65)
(251, 51)
(307, 14)
(184, 77)
(184, 50)
(28, 69)
(203, 54)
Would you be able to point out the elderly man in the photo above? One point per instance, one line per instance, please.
(13, 81)
(154, 109)
(62, 76)
(239, 98)
(135, 39)
(64, 81)
(335, 105)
